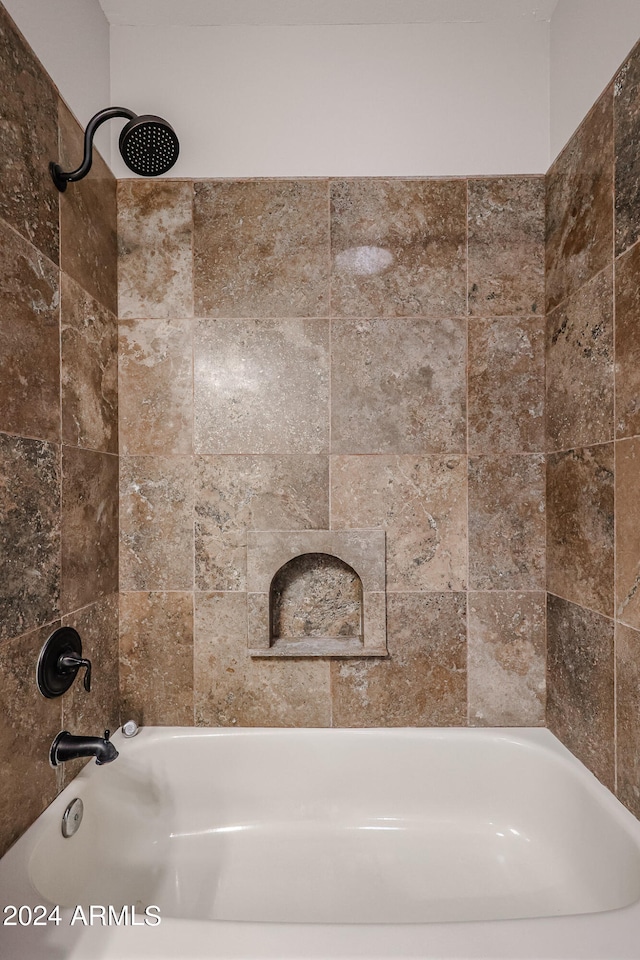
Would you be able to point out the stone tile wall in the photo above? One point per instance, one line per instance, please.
(334, 354)
(58, 430)
(593, 475)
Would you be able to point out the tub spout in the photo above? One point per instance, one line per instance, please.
(67, 747)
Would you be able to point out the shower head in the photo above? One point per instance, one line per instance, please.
(148, 146)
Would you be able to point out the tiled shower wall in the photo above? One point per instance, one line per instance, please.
(304, 354)
(58, 430)
(593, 437)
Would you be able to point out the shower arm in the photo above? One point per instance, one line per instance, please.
(58, 175)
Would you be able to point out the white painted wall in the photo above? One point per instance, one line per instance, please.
(71, 39)
(589, 41)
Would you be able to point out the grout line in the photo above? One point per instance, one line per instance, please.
(614, 430)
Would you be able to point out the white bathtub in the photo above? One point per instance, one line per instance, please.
(256, 844)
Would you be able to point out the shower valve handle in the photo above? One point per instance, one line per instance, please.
(70, 661)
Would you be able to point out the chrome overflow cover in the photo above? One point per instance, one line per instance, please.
(72, 817)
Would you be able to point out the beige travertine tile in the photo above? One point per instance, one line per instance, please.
(628, 716)
(580, 526)
(155, 237)
(231, 689)
(156, 658)
(261, 386)
(398, 248)
(89, 371)
(398, 386)
(156, 387)
(88, 219)
(237, 494)
(580, 695)
(506, 663)
(626, 106)
(30, 539)
(261, 248)
(316, 595)
(29, 724)
(423, 683)
(506, 246)
(507, 522)
(627, 340)
(579, 205)
(421, 502)
(89, 527)
(579, 355)
(627, 490)
(506, 385)
(29, 338)
(156, 523)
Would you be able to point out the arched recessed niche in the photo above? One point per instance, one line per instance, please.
(316, 593)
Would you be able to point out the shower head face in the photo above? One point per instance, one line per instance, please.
(149, 146)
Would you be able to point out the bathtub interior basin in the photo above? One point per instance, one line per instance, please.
(342, 826)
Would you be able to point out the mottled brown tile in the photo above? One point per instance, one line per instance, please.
(89, 371)
(88, 219)
(261, 386)
(236, 494)
(580, 694)
(424, 681)
(231, 689)
(506, 662)
(155, 387)
(30, 534)
(156, 523)
(155, 237)
(506, 385)
(261, 248)
(420, 502)
(398, 248)
(29, 724)
(506, 246)
(627, 491)
(579, 205)
(579, 354)
(507, 522)
(398, 386)
(29, 339)
(627, 339)
(316, 595)
(580, 526)
(628, 716)
(156, 658)
(28, 141)
(626, 107)
(89, 526)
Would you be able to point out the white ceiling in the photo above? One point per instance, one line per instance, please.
(227, 12)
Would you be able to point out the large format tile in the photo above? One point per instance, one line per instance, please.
(626, 105)
(89, 371)
(237, 494)
(88, 243)
(506, 246)
(580, 681)
(421, 502)
(579, 205)
(579, 354)
(398, 248)
(156, 523)
(628, 716)
(580, 526)
(28, 141)
(398, 386)
(231, 689)
(261, 386)
(29, 339)
(507, 522)
(30, 524)
(506, 385)
(627, 340)
(261, 248)
(155, 387)
(423, 683)
(506, 662)
(627, 540)
(155, 237)
(156, 658)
